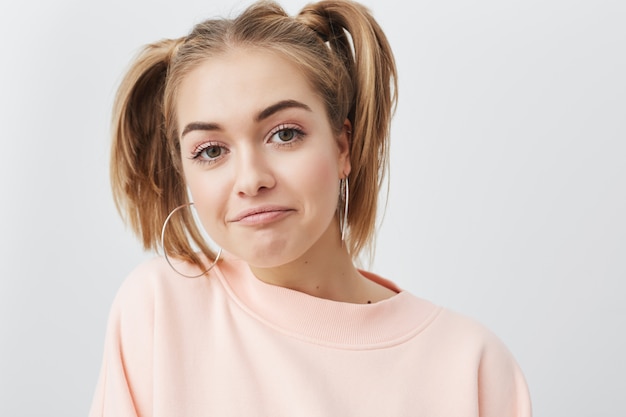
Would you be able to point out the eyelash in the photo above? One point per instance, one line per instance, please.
(196, 154)
(299, 134)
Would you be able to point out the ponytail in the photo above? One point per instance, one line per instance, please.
(146, 180)
(357, 40)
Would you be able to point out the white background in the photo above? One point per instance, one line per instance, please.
(507, 195)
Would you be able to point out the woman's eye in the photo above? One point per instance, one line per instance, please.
(286, 135)
(211, 152)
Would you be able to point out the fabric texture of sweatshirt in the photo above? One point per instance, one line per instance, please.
(228, 344)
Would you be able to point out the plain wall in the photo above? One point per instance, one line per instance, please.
(507, 198)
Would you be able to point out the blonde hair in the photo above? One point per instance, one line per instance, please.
(340, 49)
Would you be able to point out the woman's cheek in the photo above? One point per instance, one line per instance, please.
(209, 199)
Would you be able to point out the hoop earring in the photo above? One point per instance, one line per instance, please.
(344, 189)
(167, 219)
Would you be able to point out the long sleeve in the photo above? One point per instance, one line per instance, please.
(125, 381)
(502, 387)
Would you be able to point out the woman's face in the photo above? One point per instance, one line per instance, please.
(260, 158)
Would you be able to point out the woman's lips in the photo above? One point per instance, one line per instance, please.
(261, 215)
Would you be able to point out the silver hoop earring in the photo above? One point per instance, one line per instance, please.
(343, 220)
(167, 219)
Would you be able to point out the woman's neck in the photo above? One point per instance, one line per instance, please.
(326, 271)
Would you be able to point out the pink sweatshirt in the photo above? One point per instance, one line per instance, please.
(232, 345)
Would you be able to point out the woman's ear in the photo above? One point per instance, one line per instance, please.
(344, 141)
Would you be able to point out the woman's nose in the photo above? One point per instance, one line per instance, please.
(254, 173)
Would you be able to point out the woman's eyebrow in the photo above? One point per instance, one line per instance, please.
(281, 105)
(199, 126)
(262, 115)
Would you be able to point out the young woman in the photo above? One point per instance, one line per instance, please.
(274, 129)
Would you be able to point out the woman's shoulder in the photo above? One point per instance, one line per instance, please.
(153, 281)
(462, 326)
(502, 386)
(456, 328)
(457, 341)
(136, 295)
(436, 322)
(449, 330)
(143, 279)
(468, 336)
